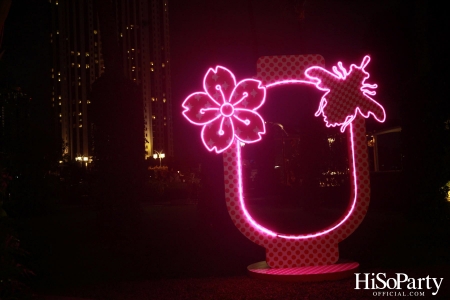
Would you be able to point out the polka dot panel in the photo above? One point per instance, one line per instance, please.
(287, 253)
(274, 68)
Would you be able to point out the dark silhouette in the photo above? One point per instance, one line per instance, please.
(117, 131)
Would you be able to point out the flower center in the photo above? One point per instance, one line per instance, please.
(227, 110)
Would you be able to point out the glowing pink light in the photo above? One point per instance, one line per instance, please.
(249, 218)
(226, 109)
(290, 81)
(265, 230)
(346, 94)
(349, 213)
(223, 112)
(324, 80)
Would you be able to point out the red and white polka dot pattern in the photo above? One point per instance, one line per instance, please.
(271, 69)
(282, 252)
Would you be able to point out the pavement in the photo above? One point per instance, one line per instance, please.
(189, 251)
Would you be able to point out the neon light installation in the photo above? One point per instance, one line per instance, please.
(226, 110)
(228, 115)
(342, 102)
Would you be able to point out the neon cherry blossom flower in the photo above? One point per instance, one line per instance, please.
(346, 95)
(226, 109)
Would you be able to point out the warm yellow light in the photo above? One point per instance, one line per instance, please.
(82, 158)
(448, 191)
(155, 156)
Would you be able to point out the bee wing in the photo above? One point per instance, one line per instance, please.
(371, 107)
(323, 78)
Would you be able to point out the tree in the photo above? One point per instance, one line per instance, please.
(118, 122)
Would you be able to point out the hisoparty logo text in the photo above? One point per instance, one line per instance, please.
(379, 281)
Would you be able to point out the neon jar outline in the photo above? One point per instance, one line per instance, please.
(321, 247)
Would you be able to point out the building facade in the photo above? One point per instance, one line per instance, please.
(143, 28)
(143, 38)
(76, 63)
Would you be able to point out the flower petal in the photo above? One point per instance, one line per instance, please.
(212, 138)
(248, 94)
(248, 125)
(219, 83)
(200, 109)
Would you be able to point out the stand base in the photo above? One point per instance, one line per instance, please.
(337, 271)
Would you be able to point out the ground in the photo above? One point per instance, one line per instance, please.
(182, 251)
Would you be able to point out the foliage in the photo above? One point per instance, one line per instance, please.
(167, 185)
(12, 272)
(4, 180)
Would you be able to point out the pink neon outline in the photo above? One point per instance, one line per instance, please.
(342, 75)
(235, 106)
(242, 202)
(290, 81)
(263, 229)
(186, 109)
(227, 115)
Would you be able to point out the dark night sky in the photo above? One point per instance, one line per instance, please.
(27, 48)
(235, 33)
